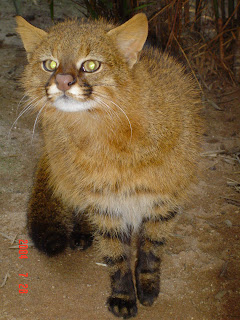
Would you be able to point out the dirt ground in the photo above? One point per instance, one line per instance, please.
(201, 267)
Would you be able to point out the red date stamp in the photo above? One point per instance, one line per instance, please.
(23, 252)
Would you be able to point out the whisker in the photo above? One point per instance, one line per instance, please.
(35, 123)
(101, 95)
(19, 116)
(108, 110)
(107, 106)
(105, 85)
(126, 117)
(104, 105)
(22, 101)
(25, 109)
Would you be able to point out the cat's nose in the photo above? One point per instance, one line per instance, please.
(64, 81)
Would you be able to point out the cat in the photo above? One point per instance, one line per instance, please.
(121, 128)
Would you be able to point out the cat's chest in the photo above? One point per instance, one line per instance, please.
(88, 166)
(86, 155)
(129, 209)
(99, 182)
(83, 162)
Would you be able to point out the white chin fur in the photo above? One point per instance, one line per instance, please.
(71, 105)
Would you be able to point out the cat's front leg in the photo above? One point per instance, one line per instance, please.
(81, 236)
(48, 219)
(153, 235)
(114, 247)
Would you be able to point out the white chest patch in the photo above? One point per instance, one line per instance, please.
(130, 209)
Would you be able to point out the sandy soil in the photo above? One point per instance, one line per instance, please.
(201, 266)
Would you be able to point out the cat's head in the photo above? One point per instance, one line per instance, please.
(81, 65)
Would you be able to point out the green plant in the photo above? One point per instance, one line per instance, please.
(17, 5)
(116, 10)
(51, 8)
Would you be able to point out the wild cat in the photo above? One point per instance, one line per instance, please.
(121, 132)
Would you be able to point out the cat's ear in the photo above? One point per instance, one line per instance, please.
(30, 35)
(131, 36)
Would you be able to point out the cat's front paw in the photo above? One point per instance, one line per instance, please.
(51, 240)
(122, 307)
(80, 240)
(147, 291)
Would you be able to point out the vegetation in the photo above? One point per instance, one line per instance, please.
(206, 33)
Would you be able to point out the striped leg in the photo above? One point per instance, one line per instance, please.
(114, 247)
(153, 235)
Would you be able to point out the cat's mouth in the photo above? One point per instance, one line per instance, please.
(68, 104)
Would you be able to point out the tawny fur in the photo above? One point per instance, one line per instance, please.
(162, 108)
(131, 154)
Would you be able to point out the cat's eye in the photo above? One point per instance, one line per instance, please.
(90, 66)
(49, 65)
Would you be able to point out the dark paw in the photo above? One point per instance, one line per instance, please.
(147, 292)
(122, 308)
(80, 240)
(50, 240)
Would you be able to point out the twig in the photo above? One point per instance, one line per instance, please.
(232, 201)
(14, 239)
(207, 44)
(227, 101)
(212, 153)
(233, 183)
(162, 10)
(30, 244)
(224, 269)
(188, 62)
(6, 236)
(229, 93)
(221, 47)
(212, 103)
(237, 158)
(225, 25)
(173, 28)
(5, 280)
(101, 264)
